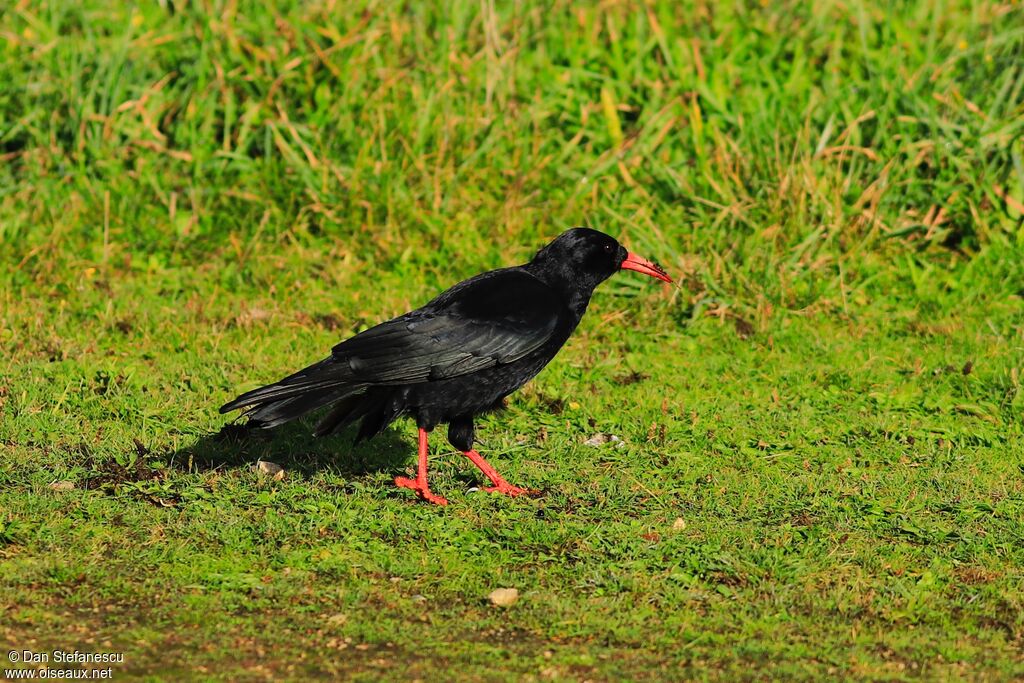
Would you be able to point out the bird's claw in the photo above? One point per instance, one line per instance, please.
(421, 490)
(510, 490)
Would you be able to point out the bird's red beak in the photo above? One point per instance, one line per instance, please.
(642, 265)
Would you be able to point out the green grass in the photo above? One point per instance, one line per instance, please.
(196, 202)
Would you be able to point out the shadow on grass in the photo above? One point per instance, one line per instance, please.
(293, 447)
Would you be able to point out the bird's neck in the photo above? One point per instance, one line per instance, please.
(574, 292)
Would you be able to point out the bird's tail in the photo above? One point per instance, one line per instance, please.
(313, 387)
(376, 408)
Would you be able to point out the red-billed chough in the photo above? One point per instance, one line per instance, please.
(454, 358)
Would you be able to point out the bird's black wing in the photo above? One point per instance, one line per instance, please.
(498, 317)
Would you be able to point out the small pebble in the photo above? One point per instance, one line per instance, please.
(271, 469)
(601, 439)
(504, 597)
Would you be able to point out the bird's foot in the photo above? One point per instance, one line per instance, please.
(421, 490)
(510, 490)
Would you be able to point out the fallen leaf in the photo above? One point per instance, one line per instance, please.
(62, 485)
(744, 330)
(251, 315)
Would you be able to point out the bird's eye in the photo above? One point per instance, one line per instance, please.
(609, 248)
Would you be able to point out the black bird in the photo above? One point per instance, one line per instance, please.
(456, 357)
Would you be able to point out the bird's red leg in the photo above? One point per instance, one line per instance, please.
(500, 485)
(419, 485)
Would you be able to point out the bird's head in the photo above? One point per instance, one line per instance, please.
(586, 258)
